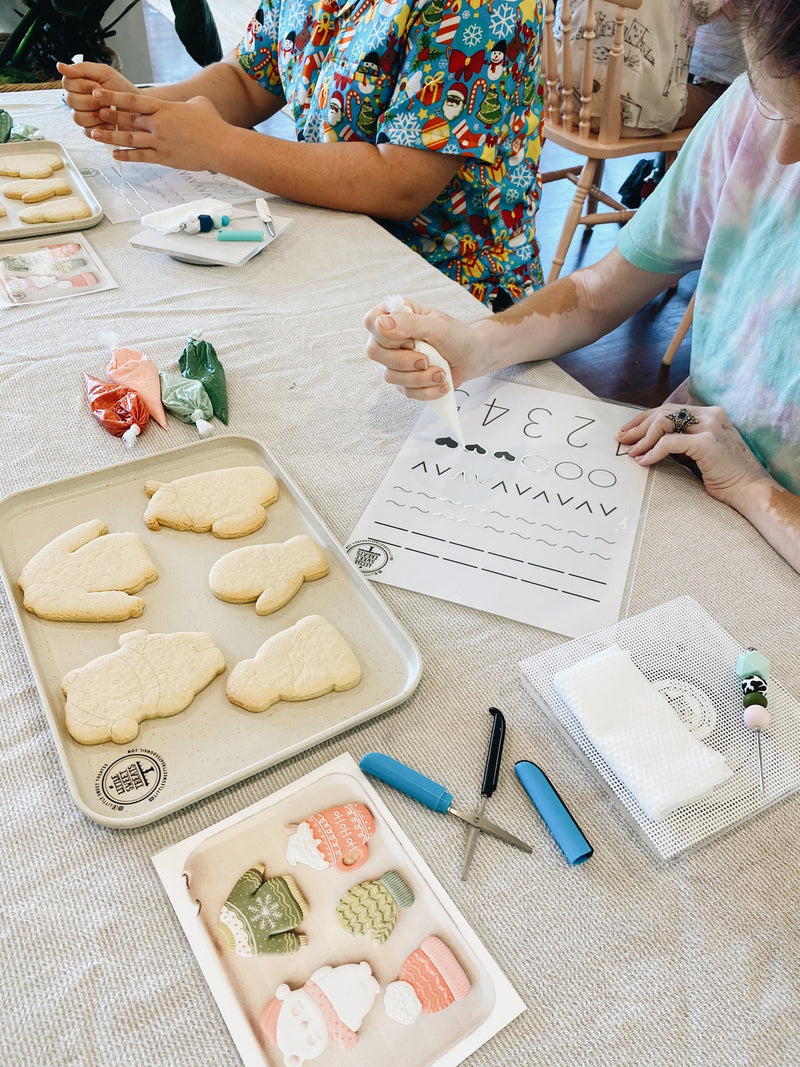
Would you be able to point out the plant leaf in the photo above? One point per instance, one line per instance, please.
(195, 26)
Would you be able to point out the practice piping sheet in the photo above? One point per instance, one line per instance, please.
(535, 518)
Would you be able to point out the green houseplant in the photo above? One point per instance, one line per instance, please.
(49, 30)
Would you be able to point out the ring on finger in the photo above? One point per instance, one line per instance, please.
(681, 420)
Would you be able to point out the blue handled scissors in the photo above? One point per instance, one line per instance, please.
(431, 794)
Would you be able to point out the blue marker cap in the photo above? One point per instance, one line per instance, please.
(554, 811)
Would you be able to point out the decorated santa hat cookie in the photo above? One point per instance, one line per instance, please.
(372, 907)
(336, 837)
(330, 1006)
(430, 980)
(260, 915)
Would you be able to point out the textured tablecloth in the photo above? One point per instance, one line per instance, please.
(621, 962)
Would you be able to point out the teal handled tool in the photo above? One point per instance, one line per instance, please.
(489, 784)
(240, 235)
(430, 793)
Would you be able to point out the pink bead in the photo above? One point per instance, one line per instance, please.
(756, 717)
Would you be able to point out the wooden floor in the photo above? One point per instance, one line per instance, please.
(626, 364)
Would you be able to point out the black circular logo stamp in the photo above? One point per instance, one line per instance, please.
(369, 556)
(137, 776)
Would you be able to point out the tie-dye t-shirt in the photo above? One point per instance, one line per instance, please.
(728, 207)
(454, 76)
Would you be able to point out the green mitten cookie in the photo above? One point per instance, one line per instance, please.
(372, 907)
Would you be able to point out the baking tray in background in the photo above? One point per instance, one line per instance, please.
(11, 227)
(212, 744)
(199, 872)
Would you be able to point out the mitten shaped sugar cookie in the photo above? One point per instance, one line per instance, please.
(330, 1006)
(260, 915)
(150, 676)
(229, 503)
(269, 574)
(336, 837)
(430, 980)
(87, 575)
(373, 907)
(308, 660)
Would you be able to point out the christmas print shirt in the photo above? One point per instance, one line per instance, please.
(454, 76)
(727, 207)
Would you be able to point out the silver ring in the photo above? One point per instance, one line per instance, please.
(681, 419)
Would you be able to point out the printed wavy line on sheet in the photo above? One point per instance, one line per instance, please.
(501, 514)
(606, 558)
(403, 490)
(494, 529)
(550, 526)
(577, 551)
(522, 536)
(528, 522)
(604, 540)
(550, 544)
(577, 533)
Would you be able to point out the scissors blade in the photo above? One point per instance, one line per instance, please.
(489, 783)
(473, 819)
(472, 837)
(264, 213)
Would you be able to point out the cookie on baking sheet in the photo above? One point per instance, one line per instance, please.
(230, 503)
(308, 660)
(269, 574)
(30, 164)
(34, 190)
(87, 575)
(62, 209)
(150, 676)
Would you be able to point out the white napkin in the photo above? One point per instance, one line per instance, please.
(169, 220)
(637, 733)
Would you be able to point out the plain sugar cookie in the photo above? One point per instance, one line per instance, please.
(30, 164)
(150, 676)
(308, 660)
(230, 502)
(63, 209)
(87, 575)
(269, 574)
(34, 190)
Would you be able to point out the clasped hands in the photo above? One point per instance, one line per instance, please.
(140, 127)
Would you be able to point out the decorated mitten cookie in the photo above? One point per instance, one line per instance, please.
(336, 837)
(429, 981)
(260, 914)
(331, 1006)
(372, 907)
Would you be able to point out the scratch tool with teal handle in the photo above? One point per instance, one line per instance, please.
(553, 810)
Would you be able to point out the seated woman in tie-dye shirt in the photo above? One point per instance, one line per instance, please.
(423, 115)
(730, 205)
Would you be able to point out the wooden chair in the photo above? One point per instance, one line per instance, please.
(563, 97)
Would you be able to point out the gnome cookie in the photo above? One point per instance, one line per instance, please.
(336, 837)
(372, 907)
(260, 914)
(429, 981)
(331, 1006)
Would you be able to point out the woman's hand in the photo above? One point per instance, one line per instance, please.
(392, 344)
(79, 80)
(704, 434)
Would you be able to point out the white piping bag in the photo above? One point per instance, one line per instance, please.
(445, 407)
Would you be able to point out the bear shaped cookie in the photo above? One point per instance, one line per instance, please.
(230, 503)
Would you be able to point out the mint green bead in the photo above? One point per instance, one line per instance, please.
(752, 662)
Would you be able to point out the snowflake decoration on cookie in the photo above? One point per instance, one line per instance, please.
(266, 913)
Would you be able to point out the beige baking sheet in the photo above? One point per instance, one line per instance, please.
(198, 874)
(211, 744)
(10, 225)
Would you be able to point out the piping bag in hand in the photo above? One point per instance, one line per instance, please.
(445, 407)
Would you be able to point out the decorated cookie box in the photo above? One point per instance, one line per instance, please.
(324, 936)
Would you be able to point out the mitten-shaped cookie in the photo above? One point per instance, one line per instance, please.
(336, 837)
(330, 1006)
(430, 980)
(260, 914)
(372, 907)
